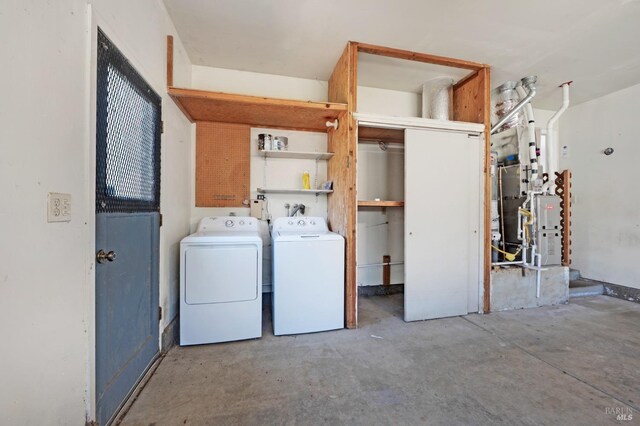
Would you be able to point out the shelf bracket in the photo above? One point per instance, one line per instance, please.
(333, 124)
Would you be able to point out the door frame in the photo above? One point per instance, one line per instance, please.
(95, 20)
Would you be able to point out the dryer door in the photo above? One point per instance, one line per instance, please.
(221, 273)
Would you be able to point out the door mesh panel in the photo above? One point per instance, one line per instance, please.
(127, 136)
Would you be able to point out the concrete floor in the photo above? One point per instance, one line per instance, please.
(566, 364)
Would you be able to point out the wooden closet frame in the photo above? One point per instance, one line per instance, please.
(471, 103)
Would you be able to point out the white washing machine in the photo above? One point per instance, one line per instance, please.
(308, 276)
(221, 281)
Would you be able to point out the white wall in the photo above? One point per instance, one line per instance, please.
(380, 230)
(257, 84)
(47, 145)
(605, 216)
(389, 102)
(43, 148)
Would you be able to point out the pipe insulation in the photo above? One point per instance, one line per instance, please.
(517, 108)
(504, 98)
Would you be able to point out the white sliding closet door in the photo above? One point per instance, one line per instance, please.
(442, 219)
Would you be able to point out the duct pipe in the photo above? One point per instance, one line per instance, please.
(552, 148)
(516, 109)
(529, 82)
(531, 132)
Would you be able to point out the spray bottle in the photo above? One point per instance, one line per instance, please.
(306, 180)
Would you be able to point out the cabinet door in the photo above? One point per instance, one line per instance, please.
(442, 212)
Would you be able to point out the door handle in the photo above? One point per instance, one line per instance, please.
(103, 257)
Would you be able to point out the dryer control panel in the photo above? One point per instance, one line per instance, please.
(228, 223)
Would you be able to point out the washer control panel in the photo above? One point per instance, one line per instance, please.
(300, 224)
(228, 223)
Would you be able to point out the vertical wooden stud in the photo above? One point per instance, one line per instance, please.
(471, 102)
(386, 270)
(341, 170)
(486, 101)
(169, 61)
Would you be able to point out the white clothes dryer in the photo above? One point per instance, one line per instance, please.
(221, 281)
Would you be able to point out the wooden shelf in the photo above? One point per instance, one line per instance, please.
(376, 134)
(297, 154)
(293, 191)
(200, 105)
(382, 203)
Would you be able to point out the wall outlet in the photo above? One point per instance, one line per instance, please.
(58, 207)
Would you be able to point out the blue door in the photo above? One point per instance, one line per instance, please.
(128, 129)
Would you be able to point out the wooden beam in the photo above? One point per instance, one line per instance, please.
(200, 105)
(468, 99)
(464, 79)
(169, 61)
(471, 97)
(352, 211)
(378, 134)
(381, 203)
(386, 270)
(342, 209)
(486, 101)
(418, 57)
(339, 80)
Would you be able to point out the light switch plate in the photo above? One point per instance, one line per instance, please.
(58, 207)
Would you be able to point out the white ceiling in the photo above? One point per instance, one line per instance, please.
(399, 74)
(596, 43)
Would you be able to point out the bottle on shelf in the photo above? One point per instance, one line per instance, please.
(306, 180)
